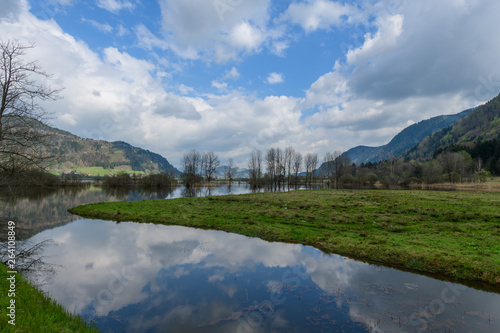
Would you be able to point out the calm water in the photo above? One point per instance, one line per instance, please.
(131, 277)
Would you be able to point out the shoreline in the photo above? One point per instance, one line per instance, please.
(35, 311)
(453, 234)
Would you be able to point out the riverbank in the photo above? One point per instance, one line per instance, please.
(455, 234)
(34, 311)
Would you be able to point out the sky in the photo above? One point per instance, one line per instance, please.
(232, 76)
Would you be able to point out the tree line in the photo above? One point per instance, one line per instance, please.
(287, 167)
(199, 167)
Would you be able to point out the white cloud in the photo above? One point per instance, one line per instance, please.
(386, 39)
(321, 14)
(175, 106)
(196, 29)
(424, 48)
(403, 70)
(232, 74)
(219, 85)
(146, 39)
(275, 78)
(115, 6)
(122, 30)
(10, 9)
(103, 27)
(246, 37)
(183, 89)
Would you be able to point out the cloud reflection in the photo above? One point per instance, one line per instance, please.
(144, 277)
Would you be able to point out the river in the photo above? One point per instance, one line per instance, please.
(131, 277)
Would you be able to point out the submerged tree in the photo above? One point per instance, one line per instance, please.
(230, 171)
(21, 115)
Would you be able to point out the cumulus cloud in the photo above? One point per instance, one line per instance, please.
(417, 60)
(321, 14)
(172, 105)
(275, 78)
(10, 9)
(219, 85)
(232, 74)
(197, 29)
(427, 49)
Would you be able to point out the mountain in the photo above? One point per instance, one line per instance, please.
(479, 126)
(71, 152)
(238, 174)
(405, 140)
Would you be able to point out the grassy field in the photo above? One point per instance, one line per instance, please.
(456, 234)
(35, 312)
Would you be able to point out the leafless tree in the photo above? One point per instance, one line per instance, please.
(314, 166)
(29, 259)
(21, 115)
(255, 167)
(308, 162)
(478, 167)
(210, 163)
(230, 170)
(297, 165)
(280, 167)
(192, 167)
(271, 164)
(259, 160)
(289, 152)
(329, 165)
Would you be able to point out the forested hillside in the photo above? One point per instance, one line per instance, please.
(479, 126)
(405, 140)
(70, 152)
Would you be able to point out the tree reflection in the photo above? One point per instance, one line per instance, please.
(30, 261)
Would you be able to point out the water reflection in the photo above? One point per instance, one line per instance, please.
(36, 209)
(133, 277)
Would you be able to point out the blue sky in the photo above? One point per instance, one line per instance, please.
(231, 76)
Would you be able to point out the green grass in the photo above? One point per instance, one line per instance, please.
(35, 312)
(456, 234)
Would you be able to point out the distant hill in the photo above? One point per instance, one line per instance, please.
(405, 140)
(71, 152)
(240, 172)
(480, 125)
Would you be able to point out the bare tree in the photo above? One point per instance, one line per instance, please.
(29, 259)
(314, 166)
(210, 163)
(271, 164)
(255, 167)
(329, 166)
(289, 152)
(259, 157)
(280, 167)
(308, 160)
(297, 165)
(478, 167)
(191, 165)
(21, 116)
(230, 170)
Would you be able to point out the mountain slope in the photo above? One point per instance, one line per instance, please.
(406, 139)
(71, 152)
(480, 125)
